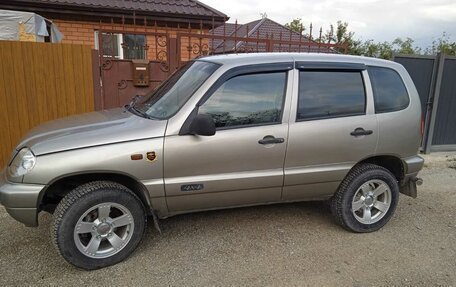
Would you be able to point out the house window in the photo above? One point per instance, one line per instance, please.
(122, 46)
(110, 45)
(134, 46)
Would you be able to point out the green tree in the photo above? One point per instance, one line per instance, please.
(340, 35)
(405, 46)
(368, 48)
(385, 50)
(442, 45)
(296, 25)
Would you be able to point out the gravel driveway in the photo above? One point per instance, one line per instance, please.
(286, 244)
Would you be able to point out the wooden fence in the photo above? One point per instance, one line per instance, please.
(40, 82)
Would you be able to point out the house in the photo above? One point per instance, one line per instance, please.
(80, 20)
(242, 38)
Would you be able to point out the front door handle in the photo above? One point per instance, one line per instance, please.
(271, 140)
(361, 132)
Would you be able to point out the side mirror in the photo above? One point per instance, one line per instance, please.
(202, 125)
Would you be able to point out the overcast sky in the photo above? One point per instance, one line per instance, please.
(422, 20)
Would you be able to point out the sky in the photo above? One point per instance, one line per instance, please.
(421, 20)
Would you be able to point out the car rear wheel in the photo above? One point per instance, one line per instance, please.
(98, 224)
(366, 199)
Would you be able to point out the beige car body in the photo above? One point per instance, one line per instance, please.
(231, 167)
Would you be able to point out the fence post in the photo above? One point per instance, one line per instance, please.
(440, 58)
(97, 91)
(269, 44)
(174, 55)
(429, 104)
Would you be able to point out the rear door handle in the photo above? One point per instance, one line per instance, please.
(270, 140)
(361, 132)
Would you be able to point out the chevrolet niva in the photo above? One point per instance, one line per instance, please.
(223, 131)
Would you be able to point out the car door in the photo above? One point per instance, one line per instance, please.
(332, 127)
(242, 163)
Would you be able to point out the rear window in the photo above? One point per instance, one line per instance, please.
(330, 94)
(390, 93)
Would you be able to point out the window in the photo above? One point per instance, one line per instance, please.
(172, 94)
(134, 46)
(111, 45)
(122, 46)
(251, 99)
(330, 94)
(390, 93)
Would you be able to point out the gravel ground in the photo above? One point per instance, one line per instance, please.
(286, 244)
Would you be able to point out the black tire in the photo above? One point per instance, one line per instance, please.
(341, 202)
(83, 198)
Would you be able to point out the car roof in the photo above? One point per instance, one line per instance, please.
(262, 58)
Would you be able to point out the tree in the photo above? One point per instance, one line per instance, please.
(405, 46)
(369, 48)
(338, 34)
(442, 45)
(296, 25)
(343, 37)
(385, 50)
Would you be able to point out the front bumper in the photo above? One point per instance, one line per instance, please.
(412, 165)
(20, 200)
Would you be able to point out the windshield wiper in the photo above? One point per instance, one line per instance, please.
(133, 102)
(141, 113)
(131, 108)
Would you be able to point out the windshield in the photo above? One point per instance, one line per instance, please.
(173, 93)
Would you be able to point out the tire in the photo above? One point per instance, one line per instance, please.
(366, 199)
(98, 224)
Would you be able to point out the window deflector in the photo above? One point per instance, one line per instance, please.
(237, 71)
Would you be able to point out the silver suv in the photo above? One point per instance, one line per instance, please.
(223, 131)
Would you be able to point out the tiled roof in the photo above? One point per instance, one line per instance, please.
(182, 7)
(225, 30)
(263, 29)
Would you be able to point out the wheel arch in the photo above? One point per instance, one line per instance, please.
(62, 185)
(391, 162)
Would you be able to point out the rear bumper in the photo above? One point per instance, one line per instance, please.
(20, 200)
(412, 165)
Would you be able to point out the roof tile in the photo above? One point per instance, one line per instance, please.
(263, 29)
(182, 7)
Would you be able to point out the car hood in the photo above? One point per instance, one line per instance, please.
(91, 129)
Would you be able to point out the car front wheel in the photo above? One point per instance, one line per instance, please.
(98, 224)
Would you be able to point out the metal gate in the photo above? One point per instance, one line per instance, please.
(434, 78)
(118, 82)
